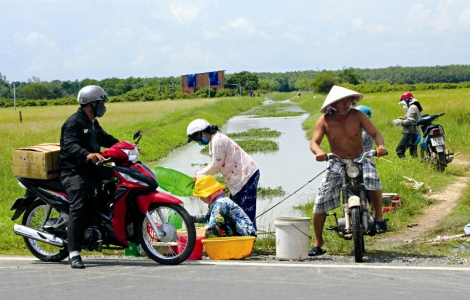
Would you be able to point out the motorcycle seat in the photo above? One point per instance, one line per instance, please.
(52, 184)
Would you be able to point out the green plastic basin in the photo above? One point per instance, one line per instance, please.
(174, 182)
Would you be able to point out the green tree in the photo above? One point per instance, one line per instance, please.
(247, 80)
(349, 75)
(267, 85)
(324, 82)
(37, 90)
(303, 84)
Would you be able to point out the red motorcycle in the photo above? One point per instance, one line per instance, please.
(126, 209)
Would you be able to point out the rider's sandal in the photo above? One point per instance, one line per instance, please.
(381, 227)
(316, 251)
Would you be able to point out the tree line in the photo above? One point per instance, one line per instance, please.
(152, 89)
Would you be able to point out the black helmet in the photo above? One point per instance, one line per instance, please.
(91, 93)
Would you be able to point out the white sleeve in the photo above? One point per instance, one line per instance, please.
(218, 145)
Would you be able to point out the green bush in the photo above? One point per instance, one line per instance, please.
(225, 93)
(203, 93)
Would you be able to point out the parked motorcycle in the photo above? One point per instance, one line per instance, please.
(128, 209)
(433, 146)
(357, 220)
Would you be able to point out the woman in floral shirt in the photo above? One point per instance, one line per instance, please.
(224, 217)
(240, 171)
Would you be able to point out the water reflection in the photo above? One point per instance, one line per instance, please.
(291, 167)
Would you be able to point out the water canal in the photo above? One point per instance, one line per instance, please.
(291, 167)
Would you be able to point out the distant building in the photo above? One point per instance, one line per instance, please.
(192, 82)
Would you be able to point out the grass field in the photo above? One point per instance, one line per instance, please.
(164, 126)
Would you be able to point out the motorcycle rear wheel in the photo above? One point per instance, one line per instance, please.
(423, 154)
(178, 242)
(34, 217)
(358, 238)
(441, 161)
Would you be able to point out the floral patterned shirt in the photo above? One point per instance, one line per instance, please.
(233, 215)
(234, 163)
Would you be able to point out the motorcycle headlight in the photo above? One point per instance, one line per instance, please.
(132, 154)
(352, 171)
(132, 179)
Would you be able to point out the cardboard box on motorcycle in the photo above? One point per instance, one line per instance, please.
(37, 162)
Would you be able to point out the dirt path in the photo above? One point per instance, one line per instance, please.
(446, 200)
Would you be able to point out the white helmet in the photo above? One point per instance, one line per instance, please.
(196, 126)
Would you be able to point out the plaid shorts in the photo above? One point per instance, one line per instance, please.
(328, 197)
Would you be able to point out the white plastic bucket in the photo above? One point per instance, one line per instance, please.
(292, 237)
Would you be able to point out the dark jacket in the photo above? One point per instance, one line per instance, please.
(79, 137)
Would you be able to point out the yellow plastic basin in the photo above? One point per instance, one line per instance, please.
(223, 248)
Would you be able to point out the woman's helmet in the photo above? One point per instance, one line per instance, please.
(91, 93)
(365, 109)
(406, 96)
(194, 128)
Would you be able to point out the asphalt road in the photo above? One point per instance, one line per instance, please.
(128, 278)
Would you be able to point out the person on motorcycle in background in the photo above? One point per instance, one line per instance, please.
(367, 140)
(224, 217)
(81, 138)
(240, 171)
(342, 127)
(410, 128)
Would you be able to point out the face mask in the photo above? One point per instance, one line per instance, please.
(203, 141)
(99, 109)
(330, 110)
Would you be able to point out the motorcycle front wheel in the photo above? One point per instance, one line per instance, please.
(177, 234)
(36, 216)
(358, 238)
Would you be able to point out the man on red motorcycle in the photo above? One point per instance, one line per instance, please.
(342, 126)
(81, 138)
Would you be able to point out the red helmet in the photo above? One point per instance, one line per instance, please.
(406, 96)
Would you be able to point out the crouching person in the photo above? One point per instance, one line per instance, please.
(224, 217)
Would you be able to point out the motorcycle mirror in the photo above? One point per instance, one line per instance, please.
(137, 134)
(137, 137)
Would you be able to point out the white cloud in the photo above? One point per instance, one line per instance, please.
(185, 12)
(370, 27)
(335, 37)
(243, 24)
(293, 37)
(211, 32)
(124, 33)
(357, 22)
(464, 18)
(150, 38)
(376, 28)
(34, 38)
(276, 22)
(265, 35)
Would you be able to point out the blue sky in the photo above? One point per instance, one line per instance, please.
(69, 40)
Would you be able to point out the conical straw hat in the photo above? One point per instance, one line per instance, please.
(338, 93)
